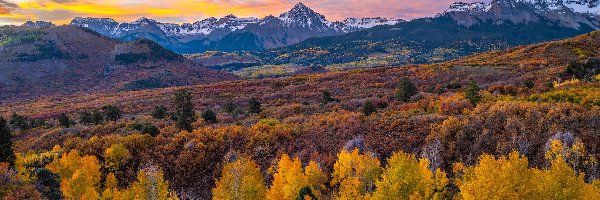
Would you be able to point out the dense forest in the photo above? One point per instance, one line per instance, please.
(516, 124)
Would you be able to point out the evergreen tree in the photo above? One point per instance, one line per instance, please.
(406, 89)
(160, 112)
(254, 106)
(97, 117)
(7, 154)
(111, 113)
(19, 121)
(184, 109)
(472, 93)
(48, 183)
(229, 107)
(36, 123)
(369, 108)
(210, 116)
(85, 118)
(151, 130)
(529, 84)
(326, 97)
(64, 120)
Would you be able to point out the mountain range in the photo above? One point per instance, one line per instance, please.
(231, 33)
(463, 29)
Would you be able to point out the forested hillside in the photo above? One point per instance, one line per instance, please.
(64, 60)
(520, 123)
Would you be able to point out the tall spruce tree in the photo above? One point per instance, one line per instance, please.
(184, 109)
(7, 154)
(472, 93)
(254, 106)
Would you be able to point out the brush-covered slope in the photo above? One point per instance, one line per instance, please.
(517, 110)
(39, 61)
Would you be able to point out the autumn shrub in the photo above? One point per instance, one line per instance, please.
(505, 89)
(454, 105)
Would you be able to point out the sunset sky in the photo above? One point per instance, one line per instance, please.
(178, 11)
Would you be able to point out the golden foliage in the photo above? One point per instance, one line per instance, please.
(406, 178)
(242, 180)
(80, 176)
(356, 174)
(290, 178)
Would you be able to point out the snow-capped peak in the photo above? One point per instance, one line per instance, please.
(591, 7)
(469, 7)
(303, 16)
(354, 24)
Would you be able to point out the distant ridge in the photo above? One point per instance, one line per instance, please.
(225, 33)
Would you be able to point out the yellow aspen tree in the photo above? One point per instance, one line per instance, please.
(316, 179)
(115, 156)
(288, 180)
(406, 178)
(111, 190)
(80, 176)
(504, 178)
(150, 184)
(355, 174)
(241, 180)
(560, 181)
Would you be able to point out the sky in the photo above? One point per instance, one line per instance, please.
(180, 11)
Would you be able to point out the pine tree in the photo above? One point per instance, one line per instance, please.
(406, 89)
(111, 113)
(369, 108)
(85, 118)
(19, 121)
(229, 107)
(184, 109)
(7, 153)
(254, 106)
(97, 117)
(472, 93)
(326, 97)
(64, 120)
(210, 116)
(159, 112)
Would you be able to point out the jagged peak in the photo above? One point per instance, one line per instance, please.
(144, 20)
(300, 5)
(299, 10)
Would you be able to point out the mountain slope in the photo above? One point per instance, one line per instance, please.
(540, 63)
(69, 59)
